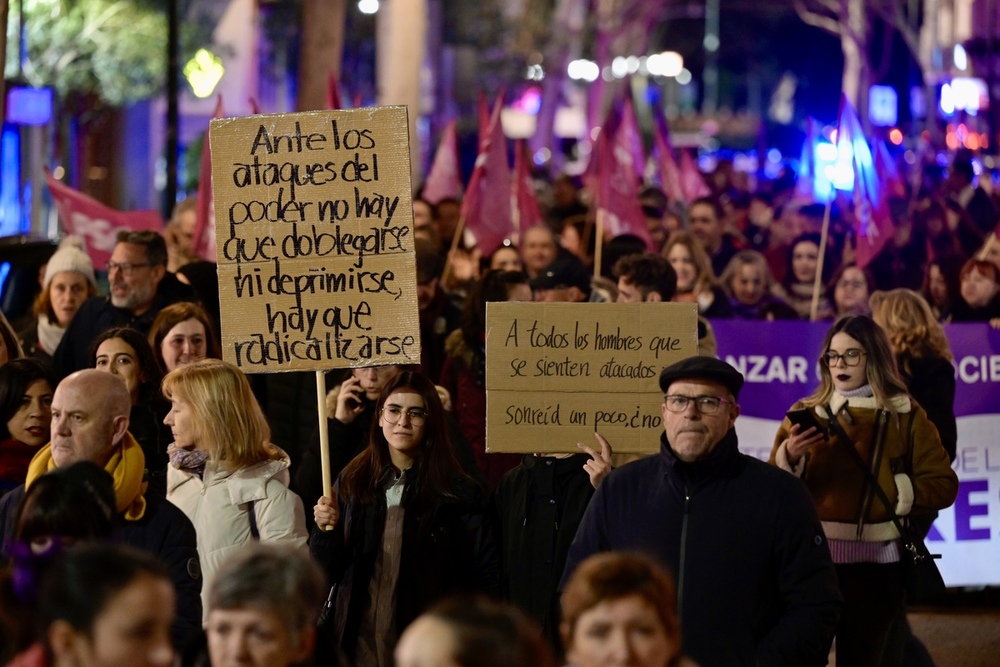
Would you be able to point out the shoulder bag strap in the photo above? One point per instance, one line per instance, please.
(909, 542)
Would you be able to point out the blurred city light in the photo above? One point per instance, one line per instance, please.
(896, 136)
(203, 72)
(684, 77)
(668, 63)
(619, 67)
(967, 94)
(583, 70)
(368, 6)
(882, 105)
(960, 58)
(947, 100)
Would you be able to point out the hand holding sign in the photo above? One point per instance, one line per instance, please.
(325, 513)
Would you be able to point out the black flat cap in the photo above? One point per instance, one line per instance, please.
(703, 368)
(564, 272)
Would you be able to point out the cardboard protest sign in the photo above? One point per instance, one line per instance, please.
(314, 230)
(557, 372)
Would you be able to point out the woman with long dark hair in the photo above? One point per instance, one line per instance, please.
(26, 387)
(406, 528)
(125, 352)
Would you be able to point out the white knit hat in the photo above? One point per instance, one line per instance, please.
(70, 257)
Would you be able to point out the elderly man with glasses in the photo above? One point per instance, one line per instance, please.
(755, 583)
(140, 287)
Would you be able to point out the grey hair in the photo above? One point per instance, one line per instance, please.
(276, 577)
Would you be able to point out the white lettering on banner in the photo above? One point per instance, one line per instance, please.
(979, 369)
(763, 368)
(100, 232)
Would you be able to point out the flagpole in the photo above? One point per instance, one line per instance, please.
(990, 242)
(818, 281)
(598, 243)
(459, 231)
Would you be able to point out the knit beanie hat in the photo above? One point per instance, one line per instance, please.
(70, 257)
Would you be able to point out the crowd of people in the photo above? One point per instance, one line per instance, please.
(159, 505)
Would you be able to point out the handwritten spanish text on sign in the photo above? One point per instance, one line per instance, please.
(557, 372)
(314, 230)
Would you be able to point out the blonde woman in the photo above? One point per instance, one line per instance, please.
(862, 397)
(695, 278)
(923, 356)
(224, 473)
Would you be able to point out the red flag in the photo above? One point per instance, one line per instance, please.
(670, 173)
(333, 93)
(692, 182)
(254, 107)
(444, 180)
(631, 137)
(886, 167)
(527, 213)
(486, 205)
(203, 242)
(618, 207)
(873, 221)
(96, 223)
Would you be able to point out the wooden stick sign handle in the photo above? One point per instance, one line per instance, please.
(324, 437)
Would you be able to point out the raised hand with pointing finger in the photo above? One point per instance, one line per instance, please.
(599, 464)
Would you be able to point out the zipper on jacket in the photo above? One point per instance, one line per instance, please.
(680, 566)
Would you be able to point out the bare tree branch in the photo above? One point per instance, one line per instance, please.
(818, 20)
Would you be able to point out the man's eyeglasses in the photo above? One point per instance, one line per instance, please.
(392, 414)
(850, 357)
(706, 405)
(125, 267)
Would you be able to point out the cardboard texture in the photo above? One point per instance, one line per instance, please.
(314, 230)
(557, 372)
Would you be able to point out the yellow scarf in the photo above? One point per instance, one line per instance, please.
(126, 466)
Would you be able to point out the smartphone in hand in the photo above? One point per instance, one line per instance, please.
(805, 418)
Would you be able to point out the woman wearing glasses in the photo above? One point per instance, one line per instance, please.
(407, 527)
(889, 435)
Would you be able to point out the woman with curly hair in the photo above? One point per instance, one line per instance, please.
(923, 356)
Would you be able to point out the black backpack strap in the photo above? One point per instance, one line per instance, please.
(254, 533)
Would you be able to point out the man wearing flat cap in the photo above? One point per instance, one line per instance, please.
(755, 583)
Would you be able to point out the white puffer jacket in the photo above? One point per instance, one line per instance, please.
(219, 508)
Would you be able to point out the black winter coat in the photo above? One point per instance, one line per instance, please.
(931, 383)
(755, 583)
(538, 506)
(447, 549)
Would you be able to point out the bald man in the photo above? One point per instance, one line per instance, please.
(90, 412)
